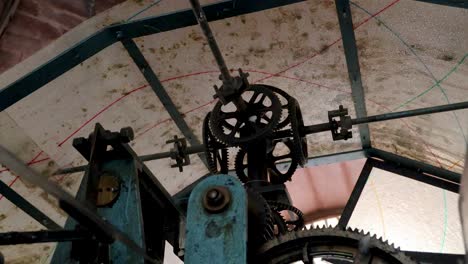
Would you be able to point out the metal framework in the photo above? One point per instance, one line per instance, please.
(412, 173)
(127, 31)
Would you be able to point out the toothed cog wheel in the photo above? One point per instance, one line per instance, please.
(216, 153)
(297, 124)
(260, 220)
(277, 175)
(331, 245)
(234, 126)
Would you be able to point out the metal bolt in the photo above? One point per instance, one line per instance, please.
(126, 134)
(216, 199)
(119, 35)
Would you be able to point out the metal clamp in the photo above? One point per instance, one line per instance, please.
(340, 128)
(179, 153)
(232, 88)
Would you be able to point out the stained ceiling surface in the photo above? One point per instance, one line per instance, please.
(411, 55)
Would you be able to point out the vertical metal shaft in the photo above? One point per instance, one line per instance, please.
(201, 18)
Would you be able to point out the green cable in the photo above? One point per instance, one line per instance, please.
(420, 60)
(445, 223)
(434, 85)
(437, 83)
(143, 10)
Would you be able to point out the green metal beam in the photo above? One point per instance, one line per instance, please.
(110, 35)
(352, 61)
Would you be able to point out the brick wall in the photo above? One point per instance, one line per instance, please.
(38, 22)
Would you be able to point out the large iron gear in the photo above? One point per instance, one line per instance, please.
(297, 124)
(331, 244)
(216, 153)
(261, 115)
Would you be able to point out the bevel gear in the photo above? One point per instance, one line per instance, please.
(280, 223)
(330, 244)
(297, 223)
(260, 219)
(216, 153)
(258, 119)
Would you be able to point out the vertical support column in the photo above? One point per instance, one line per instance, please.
(217, 222)
(126, 212)
(352, 61)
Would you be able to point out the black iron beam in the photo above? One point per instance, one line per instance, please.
(435, 258)
(352, 61)
(452, 3)
(415, 175)
(43, 236)
(140, 60)
(355, 194)
(109, 35)
(27, 207)
(418, 166)
(55, 67)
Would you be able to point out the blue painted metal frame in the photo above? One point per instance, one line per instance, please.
(126, 213)
(110, 35)
(217, 237)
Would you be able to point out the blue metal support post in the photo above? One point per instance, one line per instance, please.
(217, 222)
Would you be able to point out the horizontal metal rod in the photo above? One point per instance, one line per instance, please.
(169, 154)
(389, 116)
(409, 113)
(305, 131)
(43, 236)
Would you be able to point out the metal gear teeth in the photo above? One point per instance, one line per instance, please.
(268, 229)
(265, 133)
(287, 120)
(355, 234)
